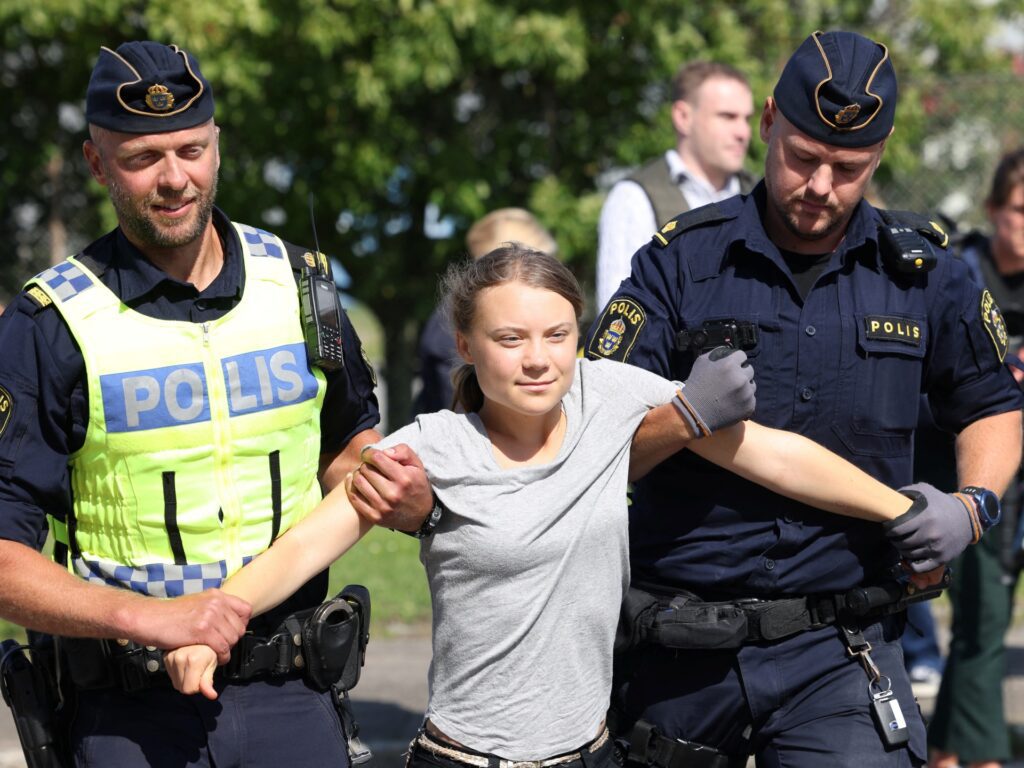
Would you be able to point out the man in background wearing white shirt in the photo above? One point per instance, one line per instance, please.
(711, 110)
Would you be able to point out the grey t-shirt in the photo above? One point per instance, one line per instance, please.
(527, 571)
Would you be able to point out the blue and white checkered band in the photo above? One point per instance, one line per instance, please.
(156, 579)
(261, 243)
(66, 280)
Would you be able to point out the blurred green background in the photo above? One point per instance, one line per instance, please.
(408, 119)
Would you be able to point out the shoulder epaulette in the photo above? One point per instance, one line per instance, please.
(38, 297)
(706, 214)
(301, 258)
(924, 225)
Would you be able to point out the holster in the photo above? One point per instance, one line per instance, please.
(29, 685)
(334, 639)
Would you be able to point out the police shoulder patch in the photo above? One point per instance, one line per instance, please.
(368, 364)
(6, 407)
(992, 319)
(704, 215)
(618, 329)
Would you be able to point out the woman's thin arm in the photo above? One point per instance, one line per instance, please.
(795, 466)
(307, 548)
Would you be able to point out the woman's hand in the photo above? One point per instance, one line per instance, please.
(191, 669)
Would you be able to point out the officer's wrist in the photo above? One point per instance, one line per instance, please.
(437, 511)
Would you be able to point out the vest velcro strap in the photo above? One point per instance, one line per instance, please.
(171, 519)
(275, 493)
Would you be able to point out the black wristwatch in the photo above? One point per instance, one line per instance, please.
(987, 504)
(430, 523)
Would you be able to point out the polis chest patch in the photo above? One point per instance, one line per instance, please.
(618, 330)
(889, 328)
(6, 406)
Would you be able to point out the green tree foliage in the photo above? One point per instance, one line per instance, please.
(392, 109)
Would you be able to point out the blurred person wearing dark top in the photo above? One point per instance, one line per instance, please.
(436, 352)
(968, 727)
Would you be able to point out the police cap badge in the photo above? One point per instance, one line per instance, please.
(147, 87)
(839, 88)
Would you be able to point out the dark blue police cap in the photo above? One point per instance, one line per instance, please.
(147, 87)
(839, 88)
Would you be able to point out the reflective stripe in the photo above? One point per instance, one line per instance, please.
(156, 579)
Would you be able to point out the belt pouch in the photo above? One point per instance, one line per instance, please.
(707, 626)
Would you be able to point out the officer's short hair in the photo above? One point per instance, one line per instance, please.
(839, 88)
(509, 225)
(147, 87)
(691, 77)
(1008, 176)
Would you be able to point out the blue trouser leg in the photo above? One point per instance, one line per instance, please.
(920, 643)
(804, 701)
(260, 724)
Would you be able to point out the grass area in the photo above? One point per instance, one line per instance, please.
(369, 330)
(388, 564)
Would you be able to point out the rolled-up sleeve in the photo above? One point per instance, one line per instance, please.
(965, 378)
(40, 379)
(350, 405)
(639, 322)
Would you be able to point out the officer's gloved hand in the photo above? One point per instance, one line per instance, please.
(935, 529)
(719, 392)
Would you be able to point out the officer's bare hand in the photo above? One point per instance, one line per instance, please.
(390, 488)
(719, 391)
(935, 529)
(191, 669)
(212, 618)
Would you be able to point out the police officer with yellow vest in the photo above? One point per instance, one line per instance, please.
(162, 418)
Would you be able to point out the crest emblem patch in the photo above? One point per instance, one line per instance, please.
(159, 98)
(847, 114)
(6, 406)
(992, 319)
(618, 330)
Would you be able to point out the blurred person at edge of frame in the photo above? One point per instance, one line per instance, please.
(968, 727)
(436, 354)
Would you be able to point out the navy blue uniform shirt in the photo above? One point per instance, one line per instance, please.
(844, 367)
(43, 372)
(437, 357)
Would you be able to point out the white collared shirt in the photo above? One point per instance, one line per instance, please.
(627, 221)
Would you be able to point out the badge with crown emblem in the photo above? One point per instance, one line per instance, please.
(159, 98)
(618, 329)
(847, 114)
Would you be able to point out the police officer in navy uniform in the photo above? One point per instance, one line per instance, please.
(161, 413)
(845, 327)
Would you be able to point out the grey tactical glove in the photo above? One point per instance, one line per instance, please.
(935, 529)
(719, 392)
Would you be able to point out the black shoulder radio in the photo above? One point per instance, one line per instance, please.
(321, 307)
(321, 314)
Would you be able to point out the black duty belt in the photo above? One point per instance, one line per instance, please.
(325, 644)
(683, 620)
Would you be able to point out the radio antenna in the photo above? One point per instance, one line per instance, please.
(312, 222)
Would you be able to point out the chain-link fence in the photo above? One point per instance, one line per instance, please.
(970, 121)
